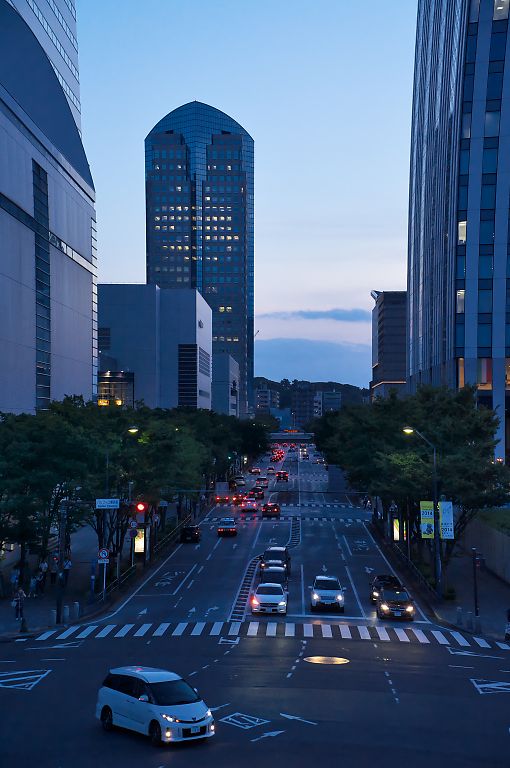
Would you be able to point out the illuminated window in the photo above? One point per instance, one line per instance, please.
(501, 8)
(460, 302)
(484, 378)
(460, 372)
(221, 309)
(462, 231)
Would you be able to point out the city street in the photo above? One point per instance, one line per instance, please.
(309, 686)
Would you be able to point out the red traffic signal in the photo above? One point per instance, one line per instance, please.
(141, 506)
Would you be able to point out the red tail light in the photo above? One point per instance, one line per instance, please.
(254, 601)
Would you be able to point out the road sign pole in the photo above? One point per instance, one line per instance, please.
(104, 582)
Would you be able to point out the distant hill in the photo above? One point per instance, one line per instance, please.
(350, 393)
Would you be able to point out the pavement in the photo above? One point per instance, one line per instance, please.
(300, 688)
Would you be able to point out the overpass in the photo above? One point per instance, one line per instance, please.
(291, 436)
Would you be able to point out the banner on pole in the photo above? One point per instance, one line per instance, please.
(427, 519)
(446, 525)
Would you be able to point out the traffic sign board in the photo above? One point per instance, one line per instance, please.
(107, 503)
(133, 524)
(103, 553)
(103, 560)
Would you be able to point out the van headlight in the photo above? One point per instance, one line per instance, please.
(168, 718)
(282, 603)
(384, 607)
(410, 609)
(340, 597)
(315, 596)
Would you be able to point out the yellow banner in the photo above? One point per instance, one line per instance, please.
(427, 519)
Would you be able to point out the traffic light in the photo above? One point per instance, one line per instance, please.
(141, 507)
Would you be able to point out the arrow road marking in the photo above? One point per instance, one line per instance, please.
(142, 612)
(460, 652)
(300, 719)
(324, 569)
(215, 709)
(368, 570)
(266, 734)
(230, 642)
(491, 686)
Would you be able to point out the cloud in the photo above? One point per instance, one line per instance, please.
(313, 361)
(339, 315)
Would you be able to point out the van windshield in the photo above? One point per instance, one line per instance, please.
(173, 692)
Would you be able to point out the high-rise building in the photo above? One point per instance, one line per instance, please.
(47, 228)
(199, 215)
(459, 247)
(162, 337)
(265, 399)
(225, 384)
(53, 22)
(389, 327)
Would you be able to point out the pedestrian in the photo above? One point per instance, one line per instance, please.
(44, 570)
(33, 586)
(17, 603)
(53, 571)
(39, 582)
(14, 579)
(67, 568)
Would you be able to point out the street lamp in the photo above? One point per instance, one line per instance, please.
(133, 430)
(437, 538)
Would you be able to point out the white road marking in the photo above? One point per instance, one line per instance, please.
(106, 631)
(45, 635)
(421, 636)
(198, 628)
(364, 633)
(345, 632)
(441, 639)
(86, 632)
(161, 630)
(234, 628)
(383, 634)
(271, 629)
(179, 629)
(290, 629)
(459, 638)
(124, 630)
(355, 592)
(216, 628)
(184, 579)
(67, 633)
(481, 642)
(253, 628)
(401, 635)
(142, 631)
(347, 545)
(302, 590)
(308, 630)
(190, 583)
(326, 630)
(503, 646)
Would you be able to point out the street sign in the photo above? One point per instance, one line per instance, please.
(133, 524)
(107, 503)
(103, 553)
(103, 560)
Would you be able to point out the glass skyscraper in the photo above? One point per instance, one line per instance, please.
(199, 217)
(459, 245)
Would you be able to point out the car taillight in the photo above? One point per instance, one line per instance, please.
(254, 601)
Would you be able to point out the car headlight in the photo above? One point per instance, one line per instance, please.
(315, 596)
(384, 607)
(208, 713)
(340, 597)
(282, 603)
(375, 594)
(168, 718)
(410, 608)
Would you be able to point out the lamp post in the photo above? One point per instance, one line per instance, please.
(437, 537)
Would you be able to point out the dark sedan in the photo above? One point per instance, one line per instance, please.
(190, 534)
(395, 604)
(379, 582)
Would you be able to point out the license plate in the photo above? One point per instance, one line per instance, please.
(397, 613)
(195, 729)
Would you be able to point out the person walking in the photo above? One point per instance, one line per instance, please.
(67, 567)
(32, 592)
(17, 603)
(14, 579)
(44, 570)
(53, 570)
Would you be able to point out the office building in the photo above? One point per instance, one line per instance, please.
(330, 401)
(306, 404)
(266, 399)
(225, 384)
(53, 22)
(389, 328)
(199, 219)
(47, 231)
(162, 337)
(459, 267)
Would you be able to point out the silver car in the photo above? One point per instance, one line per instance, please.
(269, 598)
(327, 592)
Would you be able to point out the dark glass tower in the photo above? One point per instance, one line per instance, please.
(459, 246)
(199, 215)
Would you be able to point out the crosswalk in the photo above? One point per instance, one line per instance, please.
(273, 629)
(307, 504)
(316, 518)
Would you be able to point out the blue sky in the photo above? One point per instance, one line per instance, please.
(325, 90)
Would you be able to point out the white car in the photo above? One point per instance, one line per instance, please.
(156, 702)
(327, 592)
(269, 598)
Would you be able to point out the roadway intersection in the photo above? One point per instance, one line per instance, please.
(334, 688)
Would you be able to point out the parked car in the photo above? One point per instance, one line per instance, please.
(269, 598)
(227, 527)
(156, 702)
(379, 582)
(327, 593)
(395, 604)
(190, 534)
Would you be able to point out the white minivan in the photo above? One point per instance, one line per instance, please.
(155, 702)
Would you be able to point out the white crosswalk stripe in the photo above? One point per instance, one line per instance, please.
(272, 628)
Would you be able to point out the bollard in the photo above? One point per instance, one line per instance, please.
(469, 621)
(65, 614)
(478, 625)
(53, 617)
(76, 610)
(460, 618)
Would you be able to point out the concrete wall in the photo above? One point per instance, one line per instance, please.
(492, 544)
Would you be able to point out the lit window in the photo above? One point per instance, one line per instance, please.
(501, 8)
(221, 309)
(462, 231)
(484, 373)
(460, 302)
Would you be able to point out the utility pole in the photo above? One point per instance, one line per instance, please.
(475, 580)
(62, 531)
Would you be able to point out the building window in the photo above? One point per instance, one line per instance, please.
(485, 302)
(460, 302)
(484, 377)
(487, 232)
(507, 373)
(462, 232)
(104, 339)
(460, 372)
(501, 8)
(492, 120)
(485, 336)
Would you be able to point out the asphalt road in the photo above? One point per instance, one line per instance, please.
(414, 694)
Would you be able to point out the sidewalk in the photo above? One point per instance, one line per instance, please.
(493, 596)
(37, 610)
